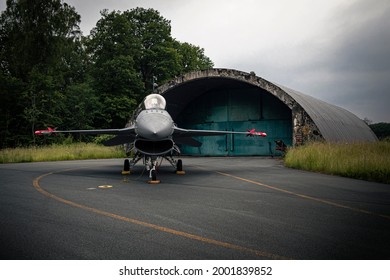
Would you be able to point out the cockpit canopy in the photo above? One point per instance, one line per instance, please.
(154, 101)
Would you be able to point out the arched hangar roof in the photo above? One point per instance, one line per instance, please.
(312, 118)
(335, 123)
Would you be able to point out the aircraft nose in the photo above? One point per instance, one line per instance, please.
(154, 126)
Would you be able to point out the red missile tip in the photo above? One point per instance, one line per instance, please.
(253, 132)
(48, 131)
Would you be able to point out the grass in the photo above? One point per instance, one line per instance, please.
(60, 152)
(366, 161)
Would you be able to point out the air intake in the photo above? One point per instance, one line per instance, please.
(154, 148)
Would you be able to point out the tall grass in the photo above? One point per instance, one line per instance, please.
(366, 161)
(60, 152)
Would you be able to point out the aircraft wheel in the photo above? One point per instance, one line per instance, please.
(154, 178)
(154, 175)
(126, 167)
(179, 167)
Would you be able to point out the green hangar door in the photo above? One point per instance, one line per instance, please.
(237, 110)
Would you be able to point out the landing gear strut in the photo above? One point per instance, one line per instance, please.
(153, 176)
(151, 165)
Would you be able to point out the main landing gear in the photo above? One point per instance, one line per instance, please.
(126, 167)
(151, 165)
(179, 167)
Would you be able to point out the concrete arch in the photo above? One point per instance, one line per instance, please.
(312, 119)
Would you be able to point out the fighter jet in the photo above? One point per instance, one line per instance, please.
(152, 136)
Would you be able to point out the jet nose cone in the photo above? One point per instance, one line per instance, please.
(156, 129)
(154, 126)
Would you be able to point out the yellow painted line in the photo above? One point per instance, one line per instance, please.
(153, 226)
(307, 196)
(105, 187)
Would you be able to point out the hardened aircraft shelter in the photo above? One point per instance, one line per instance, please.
(227, 99)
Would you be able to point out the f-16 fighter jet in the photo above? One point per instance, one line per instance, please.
(153, 135)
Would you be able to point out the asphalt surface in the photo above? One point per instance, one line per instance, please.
(222, 208)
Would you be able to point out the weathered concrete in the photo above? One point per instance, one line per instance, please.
(307, 112)
(304, 128)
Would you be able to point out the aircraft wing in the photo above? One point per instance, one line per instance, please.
(123, 135)
(181, 132)
(184, 136)
(120, 131)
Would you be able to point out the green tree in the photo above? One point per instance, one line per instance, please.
(9, 108)
(36, 34)
(118, 88)
(382, 130)
(130, 51)
(156, 58)
(192, 58)
(37, 44)
(51, 75)
(115, 80)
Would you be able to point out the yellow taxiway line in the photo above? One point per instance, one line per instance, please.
(227, 245)
(307, 196)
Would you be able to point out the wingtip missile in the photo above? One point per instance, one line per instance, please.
(47, 131)
(253, 133)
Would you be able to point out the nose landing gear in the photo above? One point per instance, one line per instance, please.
(151, 165)
(153, 176)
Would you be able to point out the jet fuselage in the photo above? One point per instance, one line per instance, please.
(154, 129)
(154, 124)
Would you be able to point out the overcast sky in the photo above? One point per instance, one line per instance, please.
(335, 50)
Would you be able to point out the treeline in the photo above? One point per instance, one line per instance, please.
(381, 130)
(52, 75)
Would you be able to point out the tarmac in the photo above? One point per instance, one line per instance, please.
(222, 208)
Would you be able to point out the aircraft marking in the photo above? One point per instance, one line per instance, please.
(36, 184)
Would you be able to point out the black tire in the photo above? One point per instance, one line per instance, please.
(126, 166)
(179, 165)
(154, 175)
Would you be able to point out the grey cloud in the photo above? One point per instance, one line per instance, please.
(365, 46)
(353, 69)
